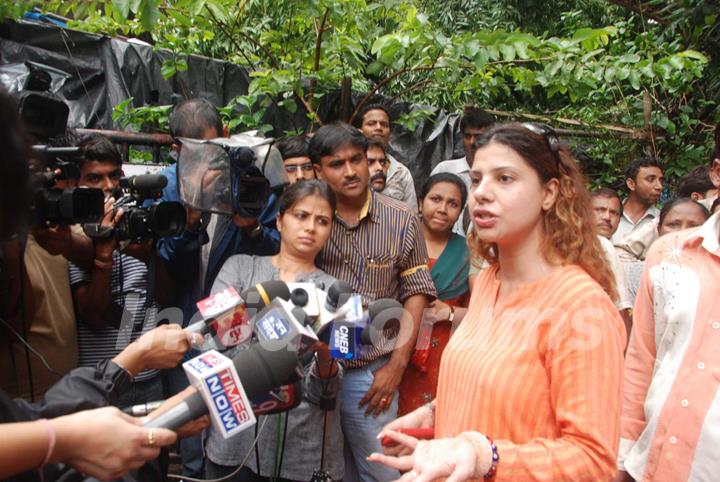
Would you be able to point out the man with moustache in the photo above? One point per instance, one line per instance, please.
(376, 246)
(374, 123)
(644, 179)
(607, 208)
(379, 165)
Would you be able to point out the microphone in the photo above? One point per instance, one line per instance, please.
(258, 370)
(144, 182)
(384, 315)
(226, 313)
(143, 409)
(281, 399)
(357, 328)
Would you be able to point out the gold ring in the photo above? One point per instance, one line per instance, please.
(151, 437)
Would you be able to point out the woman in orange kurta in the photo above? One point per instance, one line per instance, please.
(536, 364)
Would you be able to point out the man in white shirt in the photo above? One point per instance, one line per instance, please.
(473, 123)
(644, 178)
(374, 122)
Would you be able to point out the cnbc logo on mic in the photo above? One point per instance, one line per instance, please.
(215, 377)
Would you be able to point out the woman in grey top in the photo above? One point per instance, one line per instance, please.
(291, 443)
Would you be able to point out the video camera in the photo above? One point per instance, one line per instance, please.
(62, 206)
(229, 176)
(45, 115)
(140, 222)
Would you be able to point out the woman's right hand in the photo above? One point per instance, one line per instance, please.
(419, 418)
(105, 443)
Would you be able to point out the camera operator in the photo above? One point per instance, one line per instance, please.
(196, 255)
(101, 443)
(115, 299)
(35, 271)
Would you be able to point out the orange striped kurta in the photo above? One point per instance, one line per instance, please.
(541, 376)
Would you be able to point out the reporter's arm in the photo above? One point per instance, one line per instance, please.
(103, 443)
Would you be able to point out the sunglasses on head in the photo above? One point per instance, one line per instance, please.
(549, 134)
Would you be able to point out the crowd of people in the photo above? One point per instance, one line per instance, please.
(548, 331)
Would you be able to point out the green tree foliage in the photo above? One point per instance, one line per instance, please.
(591, 61)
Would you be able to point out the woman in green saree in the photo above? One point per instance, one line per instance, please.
(442, 200)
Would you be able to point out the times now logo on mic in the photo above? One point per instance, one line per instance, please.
(215, 378)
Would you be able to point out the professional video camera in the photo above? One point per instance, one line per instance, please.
(53, 205)
(45, 115)
(140, 222)
(229, 176)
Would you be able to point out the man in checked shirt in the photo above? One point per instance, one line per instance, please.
(376, 245)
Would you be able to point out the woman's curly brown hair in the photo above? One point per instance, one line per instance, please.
(570, 236)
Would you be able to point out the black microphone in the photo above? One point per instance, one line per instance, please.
(144, 182)
(259, 370)
(384, 315)
(337, 295)
(259, 296)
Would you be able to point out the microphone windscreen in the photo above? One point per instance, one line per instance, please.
(261, 369)
(385, 315)
(337, 295)
(260, 295)
(147, 182)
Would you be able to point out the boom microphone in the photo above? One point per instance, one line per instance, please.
(259, 371)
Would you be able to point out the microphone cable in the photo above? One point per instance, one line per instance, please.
(234, 472)
(29, 347)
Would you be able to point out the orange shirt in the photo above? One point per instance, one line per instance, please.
(671, 405)
(541, 376)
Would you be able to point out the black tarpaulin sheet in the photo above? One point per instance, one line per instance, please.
(94, 73)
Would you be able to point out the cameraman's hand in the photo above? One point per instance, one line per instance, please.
(105, 443)
(104, 247)
(159, 348)
(142, 251)
(193, 219)
(56, 240)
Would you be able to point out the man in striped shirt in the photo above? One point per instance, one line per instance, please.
(111, 298)
(376, 245)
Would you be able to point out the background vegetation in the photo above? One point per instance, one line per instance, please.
(642, 76)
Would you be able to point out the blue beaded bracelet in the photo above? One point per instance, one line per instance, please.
(495, 459)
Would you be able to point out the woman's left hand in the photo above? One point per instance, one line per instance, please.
(454, 459)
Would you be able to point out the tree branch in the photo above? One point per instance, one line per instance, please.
(639, 134)
(389, 79)
(318, 50)
(269, 56)
(639, 7)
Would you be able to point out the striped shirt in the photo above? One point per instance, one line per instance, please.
(382, 256)
(541, 374)
(671, 409)
(129, 289)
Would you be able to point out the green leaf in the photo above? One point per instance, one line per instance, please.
(149, 14)
(123, 7)
(507, 51)
(693, 54)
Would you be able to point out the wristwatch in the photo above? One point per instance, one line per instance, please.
(451, 317)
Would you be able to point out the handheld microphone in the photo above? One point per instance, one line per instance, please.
(259, 370)
(226, 314)
(143, 409)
